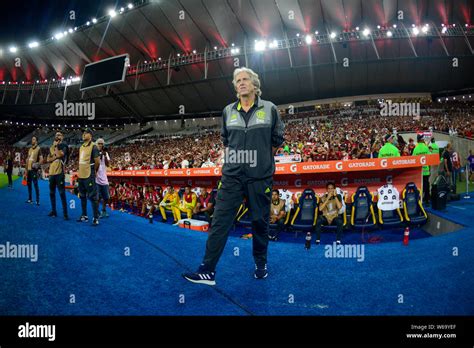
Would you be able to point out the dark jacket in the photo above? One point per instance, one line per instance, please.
(264, 130)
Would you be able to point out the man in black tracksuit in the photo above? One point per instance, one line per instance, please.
(251, 132)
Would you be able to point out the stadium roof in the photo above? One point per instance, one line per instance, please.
(292, 71)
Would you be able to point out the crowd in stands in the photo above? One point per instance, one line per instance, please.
(353, 133)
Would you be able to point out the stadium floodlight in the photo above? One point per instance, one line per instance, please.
(215, 47)
(454, 25)
(357, 28)
(13, 49)
(33, 44)
(415, 31)
(194, 51)
(308, 39)
(232, 44)
(130, 6)
(112, 13)
(88, 23)
(425, 29)
(94, 20)
(316, 32)
(366, 32)
(70, 30)
(297, 34)
(333, 35)
(273, 44)
(389, 33)
(394, 25)
(444, 30)
(378, 26)
(179, 55)
(122, 9)
(260, 45)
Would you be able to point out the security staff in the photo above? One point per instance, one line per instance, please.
(32, 166)
(251, 128)
(389, 149)
(422, 149)
(58, 154)
(89, 164)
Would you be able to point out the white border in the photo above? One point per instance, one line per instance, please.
(108, 83)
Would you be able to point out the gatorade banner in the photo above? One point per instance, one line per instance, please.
(296, 168)
(347, 175)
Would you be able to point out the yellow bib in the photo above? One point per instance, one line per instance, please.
(85, 160)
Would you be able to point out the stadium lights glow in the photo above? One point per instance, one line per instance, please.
(298, 35)
(65, 33)
(130, 6)
(179, 55)
(308, 39)
(316, 32)
(194, 51)
(394, 25)
(112, 13)
(94, 20)
(234, 50)
(442, 24)
(454, 25)
(215, 47)
(70, 30)
(415, 31)
(260, 45)
(366, 32)
(234, 45)
(389, 33)
(444, 30)
(333, 35)
(378, 26)
(122, 9)
(425, 28)
(13, 49)
(33, 44)
(273, 44)
(357, 28)
(88, 23)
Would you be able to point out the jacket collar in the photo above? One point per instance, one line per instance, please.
(238, 107)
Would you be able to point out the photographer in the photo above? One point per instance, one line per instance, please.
(331, 204)
(101, 179)
(32, 167)
(58, 154)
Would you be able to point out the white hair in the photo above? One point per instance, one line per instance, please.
(253, 77)
(100, 140)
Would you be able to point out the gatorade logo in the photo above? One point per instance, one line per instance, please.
(298, 182)
(188, 172)
(216, 171)
(339, 165)
(165, 172)
(293, 168)
(383, 163)
(423, 159)
(389, 179)
(147, 173)
(344, 182)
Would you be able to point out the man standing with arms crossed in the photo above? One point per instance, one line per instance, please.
(250, 126)
(89, 164)
(32, 166)
(58, 154)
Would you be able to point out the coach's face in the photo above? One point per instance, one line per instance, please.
(244, 84)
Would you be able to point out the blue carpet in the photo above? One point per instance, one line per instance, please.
(90, 263)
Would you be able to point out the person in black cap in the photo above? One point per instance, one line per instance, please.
(89, 164)
(58, 154)
(389, 149)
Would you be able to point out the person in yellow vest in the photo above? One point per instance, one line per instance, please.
(57, 157)
(186, 204)
(170, 200)
(89, 164)
(422, 149)
(35, 158)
